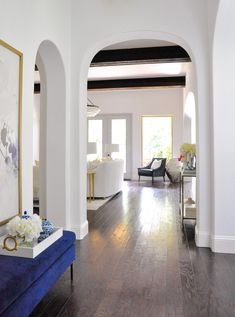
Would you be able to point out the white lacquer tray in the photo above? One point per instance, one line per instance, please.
(32, 252)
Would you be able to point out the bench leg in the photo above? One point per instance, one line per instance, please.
(71, 272)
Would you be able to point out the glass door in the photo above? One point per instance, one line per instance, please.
(113, 129)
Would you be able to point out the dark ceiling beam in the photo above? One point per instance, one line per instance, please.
(37, 88)
(162, 54)
(178, 81)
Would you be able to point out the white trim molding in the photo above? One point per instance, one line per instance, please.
(80, 231)
(202, 238)
(223, 244)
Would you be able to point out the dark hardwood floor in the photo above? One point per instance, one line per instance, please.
(136, 262)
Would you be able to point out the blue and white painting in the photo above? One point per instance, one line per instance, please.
(9, 128)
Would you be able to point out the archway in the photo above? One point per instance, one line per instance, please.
(190, 118)
(203, 218)
(52, 153)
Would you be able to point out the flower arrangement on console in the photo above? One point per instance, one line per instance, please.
(25, 228)
(188, 148)
(188, 154)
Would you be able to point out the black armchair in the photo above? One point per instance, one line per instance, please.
(148, 171)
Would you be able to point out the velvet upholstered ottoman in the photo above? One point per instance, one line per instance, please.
(24, 282)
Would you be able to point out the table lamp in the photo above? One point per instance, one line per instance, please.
(111, 148)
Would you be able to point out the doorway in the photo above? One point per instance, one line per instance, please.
(113, 129)
(116, 80)
(50, 134)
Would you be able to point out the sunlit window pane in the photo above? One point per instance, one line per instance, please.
(119, 137)
(156, 138)
(95, 135)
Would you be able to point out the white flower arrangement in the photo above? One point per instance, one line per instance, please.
(26, 228)
(188, 155)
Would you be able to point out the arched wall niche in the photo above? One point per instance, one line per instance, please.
(190, 118)
(52, 133)
(79, 149)
(223, 230)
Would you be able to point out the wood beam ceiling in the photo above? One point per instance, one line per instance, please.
(162, 54)
(177, 81)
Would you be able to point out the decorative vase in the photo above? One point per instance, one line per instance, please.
(47, 229)
(190, 160)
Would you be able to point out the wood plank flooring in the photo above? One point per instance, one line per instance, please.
(136, 262)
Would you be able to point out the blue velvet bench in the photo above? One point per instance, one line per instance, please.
(24, 282)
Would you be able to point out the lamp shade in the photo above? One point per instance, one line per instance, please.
(110, 148)
(92, 110)
(91, 148)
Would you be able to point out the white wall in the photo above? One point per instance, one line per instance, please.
(161, 101)
(53, 152)
(190, 88)
(223, 226)
(36, 127)
(24, 25)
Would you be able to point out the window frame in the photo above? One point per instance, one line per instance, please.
(156, 116)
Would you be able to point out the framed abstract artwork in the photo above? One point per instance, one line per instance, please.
(11, 66)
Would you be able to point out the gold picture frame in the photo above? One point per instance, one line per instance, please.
(11, 74)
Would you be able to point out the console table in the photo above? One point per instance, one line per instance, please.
(187, 208)
(91, 184)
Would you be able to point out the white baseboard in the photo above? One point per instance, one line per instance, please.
(202, 239)
(223, 244)
(80, 231)
(218, 244)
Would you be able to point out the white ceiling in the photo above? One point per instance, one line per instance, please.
(132, 71)
(36, 76)
(138, 44)
(137, 71)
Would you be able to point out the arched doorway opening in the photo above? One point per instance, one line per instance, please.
(51, 127)
(189, 105)
(190, 118)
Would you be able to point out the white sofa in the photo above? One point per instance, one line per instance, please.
(108, 179)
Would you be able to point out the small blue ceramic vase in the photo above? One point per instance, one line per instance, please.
(42, 237)
(47, 227)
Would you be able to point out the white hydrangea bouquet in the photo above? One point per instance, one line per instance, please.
(25, 229)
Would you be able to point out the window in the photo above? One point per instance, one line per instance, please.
(156, 138)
